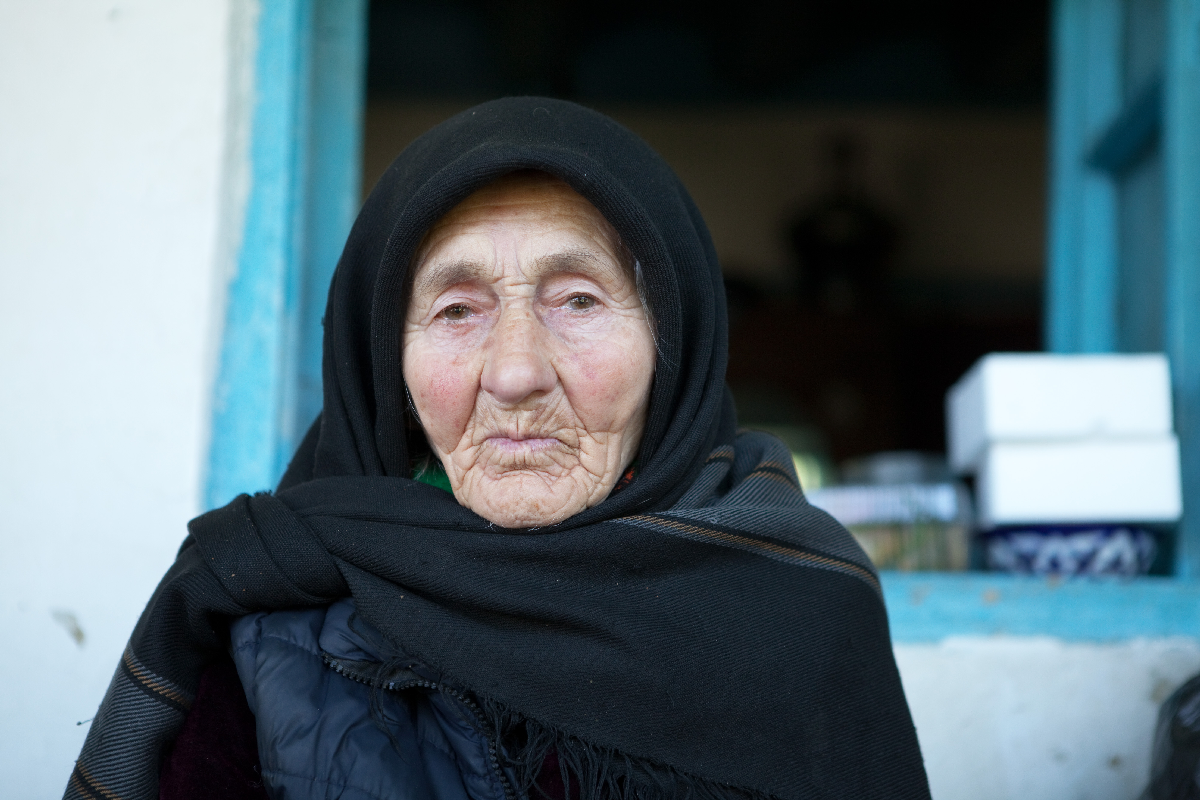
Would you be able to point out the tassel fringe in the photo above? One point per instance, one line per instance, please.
(590, 772)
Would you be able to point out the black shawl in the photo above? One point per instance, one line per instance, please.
(703, 632)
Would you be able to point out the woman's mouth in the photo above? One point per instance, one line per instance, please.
(522, 445)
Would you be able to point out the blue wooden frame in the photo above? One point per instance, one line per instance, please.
(1099, 128)
(927, 607)
(1081, 283)
(1131, 133)
(1181, 153)
(306, 134)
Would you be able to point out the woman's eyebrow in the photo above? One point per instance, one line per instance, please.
(433, 278)
(584, 261)
(437, 277)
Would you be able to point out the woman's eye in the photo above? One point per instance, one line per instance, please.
(456, 312)
(581, 302)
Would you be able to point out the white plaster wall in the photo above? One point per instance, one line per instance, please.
(112, 154)
(1039, 719)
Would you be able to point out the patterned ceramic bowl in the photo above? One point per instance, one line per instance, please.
(1092, 550)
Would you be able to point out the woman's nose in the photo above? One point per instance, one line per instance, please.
(516, 363)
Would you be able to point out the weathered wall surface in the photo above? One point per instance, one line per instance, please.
(1034, 718)
(113, 142)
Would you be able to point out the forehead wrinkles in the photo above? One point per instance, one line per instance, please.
(532, 217)
(518, 214)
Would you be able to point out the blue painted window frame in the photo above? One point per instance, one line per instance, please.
(305, 172)
(1100, 129)
(305, 162)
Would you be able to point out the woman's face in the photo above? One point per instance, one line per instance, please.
(527, 352)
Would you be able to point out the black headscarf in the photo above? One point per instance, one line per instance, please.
(702, 631)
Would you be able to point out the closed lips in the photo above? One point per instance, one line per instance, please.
(513, 444)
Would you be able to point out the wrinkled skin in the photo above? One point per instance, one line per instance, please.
(527, 352)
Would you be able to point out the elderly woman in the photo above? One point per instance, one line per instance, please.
(524, 551)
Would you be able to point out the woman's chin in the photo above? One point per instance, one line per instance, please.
(525, 500)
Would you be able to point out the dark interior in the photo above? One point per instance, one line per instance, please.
(673, 51)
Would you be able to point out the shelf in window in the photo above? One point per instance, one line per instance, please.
(931, 606)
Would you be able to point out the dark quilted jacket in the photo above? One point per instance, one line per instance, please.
(306, 675)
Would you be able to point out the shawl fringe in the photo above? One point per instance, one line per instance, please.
(589, 771)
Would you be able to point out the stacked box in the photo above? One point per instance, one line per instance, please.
(1066, 439)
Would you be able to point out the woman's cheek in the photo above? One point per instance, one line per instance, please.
(444, 387)
(606, 377)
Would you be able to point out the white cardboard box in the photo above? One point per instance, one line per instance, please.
(1085, 481)
(1042, 396)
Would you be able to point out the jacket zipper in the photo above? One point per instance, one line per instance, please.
(419, 683)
